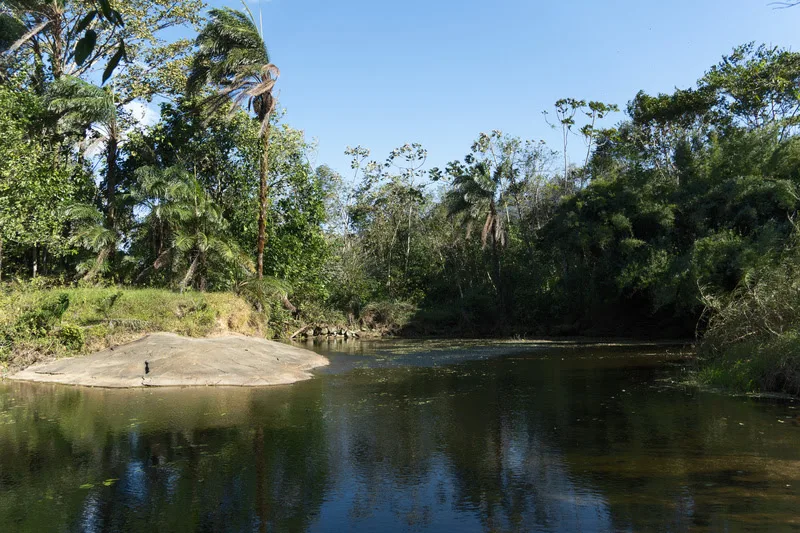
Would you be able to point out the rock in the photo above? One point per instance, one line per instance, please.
(323, 331)
(175, 361)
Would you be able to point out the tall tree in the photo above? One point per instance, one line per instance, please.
(35, 186)
(194, 231)
(234, 60)
(78, 105)
(476, 198)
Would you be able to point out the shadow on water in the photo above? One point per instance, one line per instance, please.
(408, 436)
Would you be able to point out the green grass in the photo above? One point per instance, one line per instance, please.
(32, 328)
(771, 365)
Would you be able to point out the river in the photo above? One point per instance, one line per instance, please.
(409, 436)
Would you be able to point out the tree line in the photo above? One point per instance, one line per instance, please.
(632, 225)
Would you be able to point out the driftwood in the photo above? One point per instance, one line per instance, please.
(301, 330)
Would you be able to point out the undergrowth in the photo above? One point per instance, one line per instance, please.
(753, 338)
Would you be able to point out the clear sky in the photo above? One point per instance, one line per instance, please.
(439, 72)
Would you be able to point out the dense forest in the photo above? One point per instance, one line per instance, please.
(671, 217)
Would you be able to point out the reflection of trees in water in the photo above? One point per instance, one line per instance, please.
(496, 445)
(506, 468)
(428, 447)
(664, 458)
(265, 469)
(545, 445)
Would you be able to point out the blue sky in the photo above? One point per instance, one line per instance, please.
(439, 72)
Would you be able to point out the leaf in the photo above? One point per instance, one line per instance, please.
(83, 24)
(110, 481)
(86, 486)
(114, 61)
(105, 7)
(85, 46)
(117, 18)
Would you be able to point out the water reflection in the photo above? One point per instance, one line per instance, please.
(407, 437)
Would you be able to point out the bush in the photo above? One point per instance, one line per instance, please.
(42, 319)
(391, 316)
(752, 342)
(71, 336)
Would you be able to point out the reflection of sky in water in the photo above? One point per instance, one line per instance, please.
(91, 519)
(134, 484)
(431, 502)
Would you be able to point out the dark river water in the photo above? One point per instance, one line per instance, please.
(408, 436)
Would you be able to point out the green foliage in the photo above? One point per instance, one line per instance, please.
(392, 316)
(756, 366)
(87, 37)
(107, 303)
(233, 57)
(40, 320)
(676, 220)
(53, 321)
(72, 337)
(751, 342)
(34, 188)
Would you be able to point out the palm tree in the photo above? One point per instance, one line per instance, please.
(234, 60)
(78, 106)
(475, 198)
(178, 205)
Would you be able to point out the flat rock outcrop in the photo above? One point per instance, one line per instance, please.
(169, 360)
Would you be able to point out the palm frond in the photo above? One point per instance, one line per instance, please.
(94, 237)
(84, 213)
(234, 60)
(71, 97)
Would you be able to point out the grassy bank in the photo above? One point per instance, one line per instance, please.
(756, 366)
(41, 323)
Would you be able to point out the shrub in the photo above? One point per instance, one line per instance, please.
(71, 336)
(41, 320)
(107, 302)
(752, 342)
(388, 315)
(94, 318)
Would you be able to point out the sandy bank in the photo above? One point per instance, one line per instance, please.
(175, 361)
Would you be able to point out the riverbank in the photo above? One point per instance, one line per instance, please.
(43, 324)
(752, 342)
(761, 365)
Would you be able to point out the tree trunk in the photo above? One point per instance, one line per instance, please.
(408, 239)
(262, 485)
(111, 179)
(262, 200)
(102, 257)
(190, 273)
(112, 147)
(57, 57)
(289, 306)
(497, 273)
